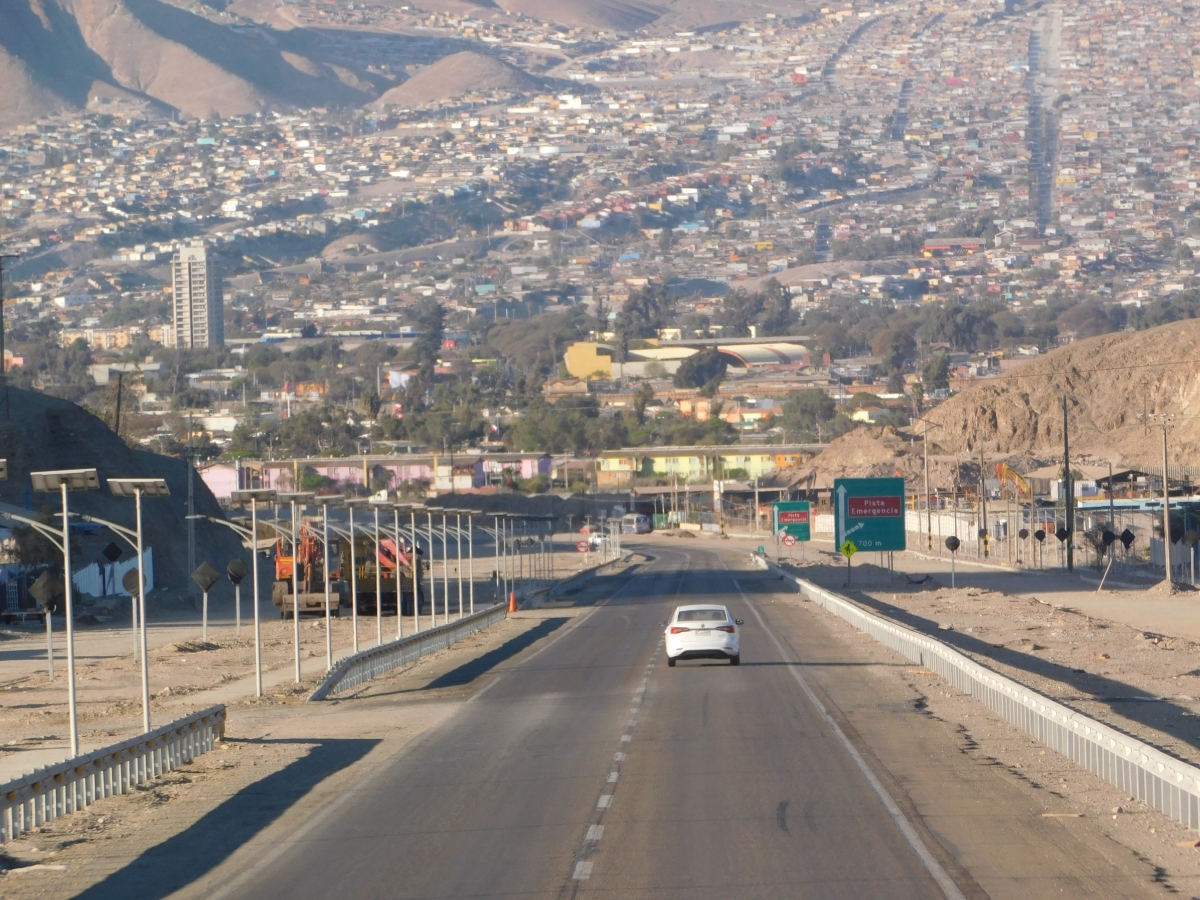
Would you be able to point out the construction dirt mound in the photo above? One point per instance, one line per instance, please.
(459, 74)
(40, 432)
(885, 453)
(1114, 384)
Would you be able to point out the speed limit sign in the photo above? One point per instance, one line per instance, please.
(789, 540)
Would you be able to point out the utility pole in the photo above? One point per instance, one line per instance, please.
(3, 367)
(983, 530)
(1068, 492)
(191, 511)
(1165, 420)
(928, 511)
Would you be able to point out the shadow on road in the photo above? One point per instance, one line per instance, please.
(180, 860)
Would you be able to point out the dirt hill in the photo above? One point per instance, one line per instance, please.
(40, 432)
(618, 15)
(1109, 382)
(57, 55)
(459, 74)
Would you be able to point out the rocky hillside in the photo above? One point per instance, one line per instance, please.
(1110, 383)
(58, 55)
(40, 432)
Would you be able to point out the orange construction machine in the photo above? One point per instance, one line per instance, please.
(307, 564)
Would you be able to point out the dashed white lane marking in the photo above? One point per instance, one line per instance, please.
(583, 867)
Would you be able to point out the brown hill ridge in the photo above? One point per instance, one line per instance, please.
(1110, 382)
(57, 55)
(459, 74)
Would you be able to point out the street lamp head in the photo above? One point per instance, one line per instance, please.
(301, 497)
(262, 495)
(74, 479)
(130, 487)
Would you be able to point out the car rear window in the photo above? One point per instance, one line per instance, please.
(701, 615)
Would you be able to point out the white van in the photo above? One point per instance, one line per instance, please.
(636, 523)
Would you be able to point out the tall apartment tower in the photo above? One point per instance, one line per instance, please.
(198, 309)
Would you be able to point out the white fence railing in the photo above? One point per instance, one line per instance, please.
(1168, 784)
(367, 664)
(66, 787)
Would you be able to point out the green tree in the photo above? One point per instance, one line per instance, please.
(935, 374)
(701, 368)
(777, 316)
(893, 347)
(431, 321)
(643, 396)
(803, 411)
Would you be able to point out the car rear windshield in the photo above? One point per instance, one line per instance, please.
(701, 615)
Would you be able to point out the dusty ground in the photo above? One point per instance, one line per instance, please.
(280, 752)
(264, 739)
(186, 673)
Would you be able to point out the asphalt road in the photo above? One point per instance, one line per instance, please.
(592, 768)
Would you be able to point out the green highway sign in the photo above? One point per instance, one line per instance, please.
(792, 517)
(869, 512)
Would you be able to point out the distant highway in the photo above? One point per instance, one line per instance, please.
(592, 768)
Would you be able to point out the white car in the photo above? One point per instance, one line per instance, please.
(703, 631)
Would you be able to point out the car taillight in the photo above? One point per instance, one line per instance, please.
(727, 628)
(679, 630)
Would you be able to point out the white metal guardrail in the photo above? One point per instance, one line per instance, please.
(367, 664)
(1169, 785)
(77, 783)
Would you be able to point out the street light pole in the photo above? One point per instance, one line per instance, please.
(416, 577)
(432, 573)
(153, 487)
(471, 555)
(292, 498)
(63, 481)
(399, 577)
(378, 586)
(496, 538)
(325, 568)
(458, 541)
(445, 572)
(252, 496)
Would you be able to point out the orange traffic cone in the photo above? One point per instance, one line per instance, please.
(512, 601)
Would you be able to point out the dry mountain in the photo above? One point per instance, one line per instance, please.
(458, 74)
(58, 55)
(1110, 383)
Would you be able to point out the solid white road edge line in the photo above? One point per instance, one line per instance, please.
(945, 882)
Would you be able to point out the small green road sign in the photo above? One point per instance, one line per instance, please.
(848, 549)
(761, 549)
(870, 512)
(792, 517)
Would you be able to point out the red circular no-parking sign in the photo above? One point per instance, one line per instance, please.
(789, 540)
(582, 546)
